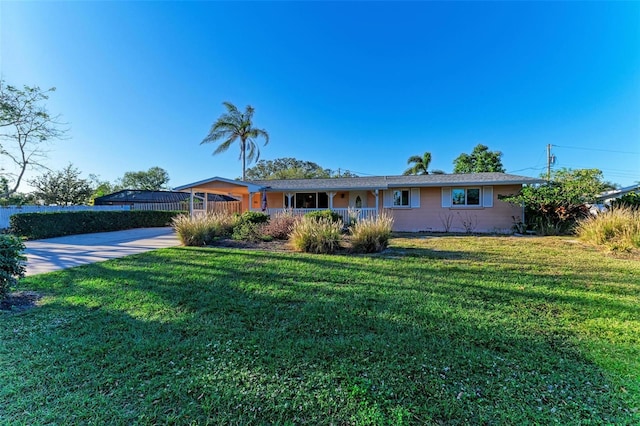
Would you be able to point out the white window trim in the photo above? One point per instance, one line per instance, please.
(465, 205)
(413, 198)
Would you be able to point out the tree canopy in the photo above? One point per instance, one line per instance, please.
(154, 179)
(291, 168)
(480, 160)
(25, 127)
(238, 126)
(64, 187)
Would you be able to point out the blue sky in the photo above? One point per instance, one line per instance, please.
(357, 85)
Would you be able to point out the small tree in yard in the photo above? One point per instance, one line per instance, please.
(25, 127)
(11, 263)
(555, 206)
(64, 187)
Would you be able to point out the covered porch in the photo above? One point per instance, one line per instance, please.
(242, 192)
(266, 196)
(348, 214)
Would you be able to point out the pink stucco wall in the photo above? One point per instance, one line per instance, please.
(431, 215)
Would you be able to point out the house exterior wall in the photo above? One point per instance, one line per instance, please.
(430, 216)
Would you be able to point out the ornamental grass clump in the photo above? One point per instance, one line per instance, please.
(204, 229)
(316, 235)
(371, 235)
(617, 229)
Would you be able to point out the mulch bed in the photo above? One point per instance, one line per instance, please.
(275, 245)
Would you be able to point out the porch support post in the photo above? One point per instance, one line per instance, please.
(206, 209)
(251, 201)
(376, 192)
(191, 201)
(331, 195)
(289, 196)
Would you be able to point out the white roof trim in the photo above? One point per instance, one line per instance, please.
(250, 186)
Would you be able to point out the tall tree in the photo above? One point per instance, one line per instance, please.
(479, 161)
(286, 168)
(25, 126)
(292, 168)
(235, 126)
(154, 179)
(420, 164)
(64, 187)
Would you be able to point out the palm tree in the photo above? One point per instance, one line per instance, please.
(233, 126)
(420, 164)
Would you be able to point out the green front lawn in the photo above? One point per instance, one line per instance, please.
(453, 330)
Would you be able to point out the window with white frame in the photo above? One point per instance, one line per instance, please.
(465, 196)
(401, 198)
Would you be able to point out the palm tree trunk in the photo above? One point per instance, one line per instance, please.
(244, 159)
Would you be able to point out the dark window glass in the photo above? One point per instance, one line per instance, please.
(473, 197)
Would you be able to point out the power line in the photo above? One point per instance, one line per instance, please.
(596, 149)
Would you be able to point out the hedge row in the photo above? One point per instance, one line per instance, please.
(57, 224)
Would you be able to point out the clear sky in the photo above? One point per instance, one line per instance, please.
(356, 85)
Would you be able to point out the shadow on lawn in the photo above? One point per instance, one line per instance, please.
(224, 336)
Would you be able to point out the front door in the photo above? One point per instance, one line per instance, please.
(358, 199)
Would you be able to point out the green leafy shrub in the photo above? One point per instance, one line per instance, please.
(280, 226)
(253, 217)
(12, 261)
(325, 214)
(371, 235)
(56, 224)
(203, 229)
(617, 229)
(556, 206)
(248, 231)
(316, 235)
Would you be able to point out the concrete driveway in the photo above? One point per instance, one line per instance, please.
(66, 252)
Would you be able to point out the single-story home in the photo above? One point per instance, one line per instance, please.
(439, 202)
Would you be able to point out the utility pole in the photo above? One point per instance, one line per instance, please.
(551, 159)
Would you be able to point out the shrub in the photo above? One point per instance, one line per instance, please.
(253, 217)
(617, 229)
(316, 235)
(371, 235)
(57, 224)
(204, 229)
(324, 214)
(12, 261)
(248, 231)
(280, 226)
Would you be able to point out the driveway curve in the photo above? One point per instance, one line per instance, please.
(58, 253)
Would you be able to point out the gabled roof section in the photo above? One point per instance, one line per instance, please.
(251, 187)
(385, 182)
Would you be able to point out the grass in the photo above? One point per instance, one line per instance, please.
(617, 229)
(451, 330)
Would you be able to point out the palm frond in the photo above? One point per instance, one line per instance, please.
(225, 145)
